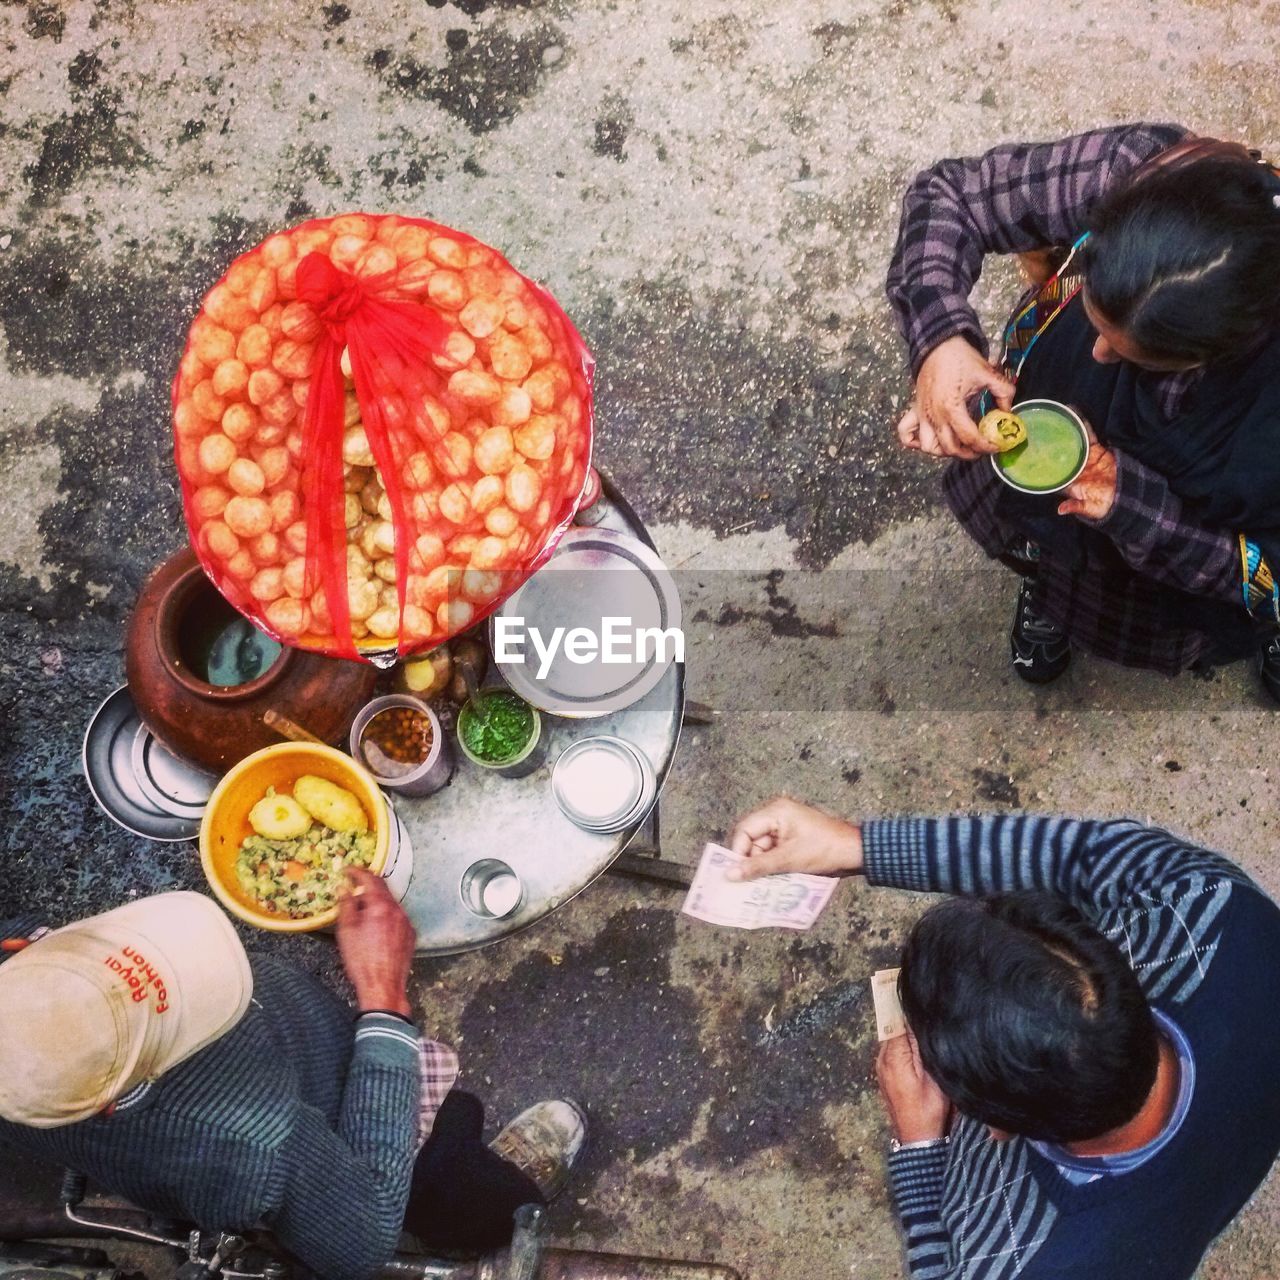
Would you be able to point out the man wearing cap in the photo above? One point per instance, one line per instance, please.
(144, 1048)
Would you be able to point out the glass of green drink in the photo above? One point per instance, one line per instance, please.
(500, 731)
(1052, 455)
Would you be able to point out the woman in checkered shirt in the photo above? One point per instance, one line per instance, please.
(1164, 332)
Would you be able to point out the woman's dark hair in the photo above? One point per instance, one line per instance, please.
(1027, 1017)
(1186, 260)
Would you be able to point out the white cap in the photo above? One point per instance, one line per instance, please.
(90, 1011)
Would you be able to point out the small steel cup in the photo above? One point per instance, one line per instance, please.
(1070, 415)
(491, 889)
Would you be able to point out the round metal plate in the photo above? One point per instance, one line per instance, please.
(579, 793)
(167, 782)
(595, 574)
(107, 759)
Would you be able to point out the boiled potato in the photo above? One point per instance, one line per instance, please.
(279, 818)
(428, 675)
(333, 806)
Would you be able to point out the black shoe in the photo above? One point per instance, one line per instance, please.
(1041, 651)
(1269, 666)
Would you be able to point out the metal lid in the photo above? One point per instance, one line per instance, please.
(597, 782)
(168, 782)
(107, 759)
(595, 574)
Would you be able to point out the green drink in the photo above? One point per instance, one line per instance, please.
(1053, 454)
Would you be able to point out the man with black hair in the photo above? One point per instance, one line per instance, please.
(1089, 1084)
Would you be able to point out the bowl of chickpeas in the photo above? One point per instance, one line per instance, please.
(399, 740)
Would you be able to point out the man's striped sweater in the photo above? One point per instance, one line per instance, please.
(299, 1118)
(1205, 943)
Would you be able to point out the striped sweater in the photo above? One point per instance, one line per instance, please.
(1205, 943)
(298, 1119)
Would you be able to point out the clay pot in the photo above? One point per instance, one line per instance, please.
(211, 725)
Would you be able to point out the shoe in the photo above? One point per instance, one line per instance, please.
(1040, 649)
(1269, 666)
(543, 1142)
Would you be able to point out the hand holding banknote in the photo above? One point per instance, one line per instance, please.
(776, 902)
(918, 1110)
(785, 835)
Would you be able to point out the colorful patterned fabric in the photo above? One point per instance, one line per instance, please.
(439, 1072)
(1034, 315)
(1261, 592)
(1014, 199)
(1029, 321)
(1115, 609)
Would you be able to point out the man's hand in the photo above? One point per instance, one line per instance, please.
(786, 835)
(1093, 493)
(918, 1109)
(938, 421)
(376, 941)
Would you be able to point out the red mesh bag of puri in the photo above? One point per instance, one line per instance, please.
(381, 429)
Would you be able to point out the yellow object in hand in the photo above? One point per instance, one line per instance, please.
(1003, 429)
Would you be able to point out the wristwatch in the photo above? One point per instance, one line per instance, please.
(923, 1145)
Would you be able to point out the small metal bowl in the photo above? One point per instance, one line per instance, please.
(1076, 420)
(529, 759)
(432, 774)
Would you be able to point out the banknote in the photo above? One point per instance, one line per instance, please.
(790, 901)
(884, 993)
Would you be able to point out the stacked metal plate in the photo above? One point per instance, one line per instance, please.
(139, 783)
(603, 783)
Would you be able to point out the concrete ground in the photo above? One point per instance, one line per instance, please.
(711, 191)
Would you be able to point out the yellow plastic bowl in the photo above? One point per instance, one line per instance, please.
(226, 821)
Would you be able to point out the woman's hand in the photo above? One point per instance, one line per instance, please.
(786, 835)
(376, 942)
(1093, 494)
(918, 1109)
(938, 421)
